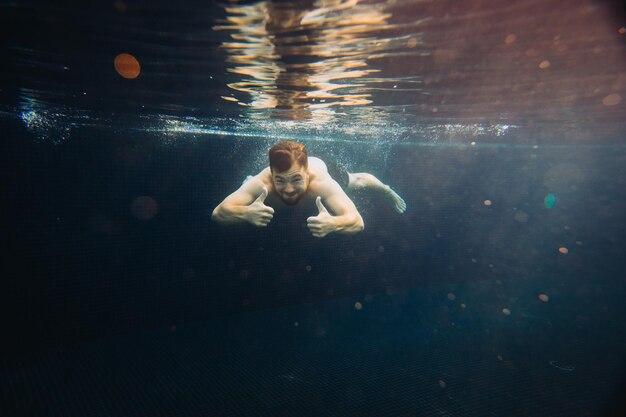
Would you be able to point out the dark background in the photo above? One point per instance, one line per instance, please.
(108, 185)
(82, 265)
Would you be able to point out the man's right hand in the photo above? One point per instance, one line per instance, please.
(258, 213)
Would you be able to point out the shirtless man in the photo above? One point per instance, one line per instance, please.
(293, 178)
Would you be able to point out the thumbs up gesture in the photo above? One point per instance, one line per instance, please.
(258, 213)
(323, 223)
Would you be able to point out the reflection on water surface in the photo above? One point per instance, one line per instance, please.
(531, 72)
(309, 56)
(532, 64)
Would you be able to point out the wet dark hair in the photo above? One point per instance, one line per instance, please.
(284, 154)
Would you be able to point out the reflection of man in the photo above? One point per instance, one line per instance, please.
(293, 178)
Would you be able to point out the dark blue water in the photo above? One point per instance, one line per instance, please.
(499, 292)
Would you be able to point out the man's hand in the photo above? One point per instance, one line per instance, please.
(258, 213)
(323, 223)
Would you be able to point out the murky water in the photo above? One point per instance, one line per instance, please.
(499, 291)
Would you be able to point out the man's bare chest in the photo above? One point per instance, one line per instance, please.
(273, 200)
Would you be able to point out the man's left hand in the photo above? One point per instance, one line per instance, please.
(323, 223)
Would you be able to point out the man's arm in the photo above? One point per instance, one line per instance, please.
(245, 205)
(346, 218)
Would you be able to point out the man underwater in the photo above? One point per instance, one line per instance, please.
(295, 179)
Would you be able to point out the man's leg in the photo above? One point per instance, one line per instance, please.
(361, 180)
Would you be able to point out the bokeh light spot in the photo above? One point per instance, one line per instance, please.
(120, 6)
(127, 66)
(487, 203)
(621, 30)
(544, 64)
(506, 311)
(358, 305)
(563, 250)
(451, 296)
(544, 298)
(510, 39)
(521, 217)
(549, 201)
(612, 99)
(411, 43)
(442, 383)
(144, 207)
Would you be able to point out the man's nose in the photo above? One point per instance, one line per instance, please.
(288, 188)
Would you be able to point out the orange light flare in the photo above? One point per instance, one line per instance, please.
(612, 99)
(510, 39)
(127, 66)
(545, 64)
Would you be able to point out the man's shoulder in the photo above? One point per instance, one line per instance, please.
(265, 176)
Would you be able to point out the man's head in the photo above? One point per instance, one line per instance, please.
(289, 164)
